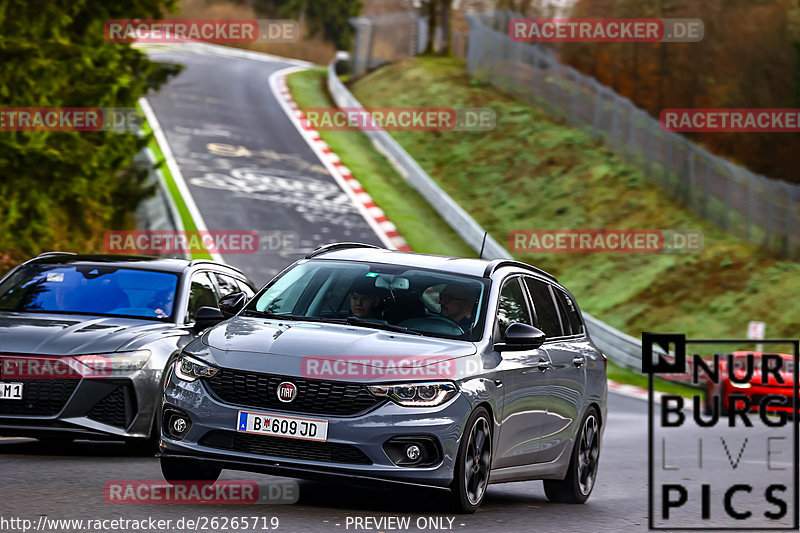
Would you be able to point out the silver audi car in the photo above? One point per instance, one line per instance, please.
(366, 364)
(84, 341)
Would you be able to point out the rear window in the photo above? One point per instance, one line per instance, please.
(571, 320)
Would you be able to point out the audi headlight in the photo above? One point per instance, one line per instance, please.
(99, 365)
(189, 369)
(428, 394)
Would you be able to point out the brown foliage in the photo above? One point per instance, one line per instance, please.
(748, 58)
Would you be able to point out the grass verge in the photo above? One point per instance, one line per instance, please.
(535, 172)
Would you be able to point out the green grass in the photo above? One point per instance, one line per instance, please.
(535, 172)
(416, 220)
(172, 188)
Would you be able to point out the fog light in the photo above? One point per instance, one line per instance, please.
(413, 452)
(176, 423)
(179, 425)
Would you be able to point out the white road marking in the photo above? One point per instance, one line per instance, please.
(172, 164)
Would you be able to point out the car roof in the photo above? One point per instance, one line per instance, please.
(141, 262)
(453, 265)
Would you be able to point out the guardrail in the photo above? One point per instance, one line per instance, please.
(621, 348)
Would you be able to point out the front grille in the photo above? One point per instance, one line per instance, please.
(40, 397)
(115, 409)
(324, 452)
(248, 389)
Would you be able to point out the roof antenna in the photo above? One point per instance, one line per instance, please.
(483, 244)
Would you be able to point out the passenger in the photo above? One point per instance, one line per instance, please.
(457, 302)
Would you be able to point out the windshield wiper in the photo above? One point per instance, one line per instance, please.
(276, 316)
(355, 321)
(266, 314)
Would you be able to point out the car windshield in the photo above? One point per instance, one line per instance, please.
(380, 296)
(91, 290)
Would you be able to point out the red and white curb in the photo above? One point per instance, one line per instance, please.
(373, 214)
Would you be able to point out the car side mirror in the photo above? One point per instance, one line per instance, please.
(205, 317)
(521, 337)
(232, 303)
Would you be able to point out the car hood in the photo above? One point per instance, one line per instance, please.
(25, 333)
(243, 342)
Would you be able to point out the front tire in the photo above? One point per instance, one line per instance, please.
(175, 470)
(577, 486)
(473, 464)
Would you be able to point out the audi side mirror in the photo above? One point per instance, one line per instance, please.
(205, 317)
(521, 337)
(233, 303)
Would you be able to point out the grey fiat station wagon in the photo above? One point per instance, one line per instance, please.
(369, 364)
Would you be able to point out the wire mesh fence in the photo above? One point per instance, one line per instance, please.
(387, 38)
(750, 206)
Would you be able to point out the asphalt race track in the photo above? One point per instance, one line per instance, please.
(246, 165)
(248, 168)
(68, 483)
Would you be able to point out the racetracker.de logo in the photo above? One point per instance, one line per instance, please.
(52, 367)
(605, 30)
(398, 119)
(206, 30)
(739, 120)
(117, 119)
(180, 242)
(605, 241)
(200, 492)
(378, 367)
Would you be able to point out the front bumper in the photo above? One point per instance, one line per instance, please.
(112, 408)
(366, 432)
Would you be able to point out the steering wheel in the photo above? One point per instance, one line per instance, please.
(440, 324)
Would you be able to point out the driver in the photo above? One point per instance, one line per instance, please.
(365, 299)
(457, 301)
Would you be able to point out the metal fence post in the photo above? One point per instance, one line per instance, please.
(707, 192)
(726, 221)
(576, 84)
(688, 185)
(750, 201)
(787, 221)
(556, 74)
(362, 50)
(598, 107)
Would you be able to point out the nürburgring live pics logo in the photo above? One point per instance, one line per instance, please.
(728, 457)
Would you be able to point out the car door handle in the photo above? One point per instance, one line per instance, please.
(579, 361)
(544, 365)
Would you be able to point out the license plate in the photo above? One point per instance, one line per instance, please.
(10, 391)
(283, 426)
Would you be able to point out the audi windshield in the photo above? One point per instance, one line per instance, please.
(90, 290)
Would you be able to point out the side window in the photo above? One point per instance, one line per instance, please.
(512, 306)
(546, 313)
(227, 285)
(573, 325)
(201, 293)
(245, 288)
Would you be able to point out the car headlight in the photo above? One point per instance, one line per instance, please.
(745, 385)
(428, 394)
(189, 369)
(97, 365)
